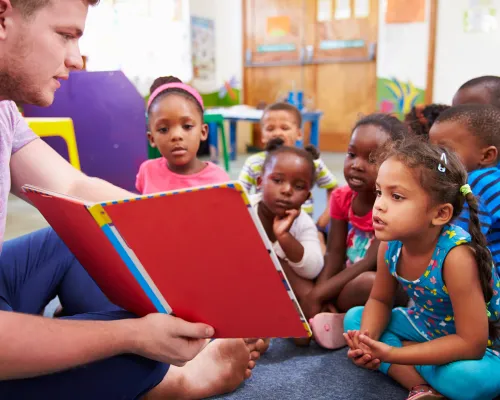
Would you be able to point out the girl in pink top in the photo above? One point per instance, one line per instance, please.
(349, 272)
(176, 128)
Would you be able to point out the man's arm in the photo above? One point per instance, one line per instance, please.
(39, 165)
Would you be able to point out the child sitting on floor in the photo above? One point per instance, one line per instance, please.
(481, 90)
(175, 115)
(443, 345)
(473, 132)
(283, 120)
(421, 118)
(347, 278)
(285, 184)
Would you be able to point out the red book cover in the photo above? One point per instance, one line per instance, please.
(200, 253)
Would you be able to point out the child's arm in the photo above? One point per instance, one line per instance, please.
(325, 180)
(247, 176)
(304, 252)
(377, 312)
(335, 278)
(335, 250)
(471, 321)
(325, 217)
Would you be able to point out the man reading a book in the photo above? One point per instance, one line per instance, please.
(96, 351)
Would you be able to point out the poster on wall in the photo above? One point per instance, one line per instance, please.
(203, 48)
(481, 16)
(404, 12)
(361, 8)
(324, 11)
(342, 9)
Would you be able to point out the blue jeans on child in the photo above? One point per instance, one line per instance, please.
(33, 270)
(459, 380)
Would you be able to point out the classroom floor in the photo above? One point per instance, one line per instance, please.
(285, 371)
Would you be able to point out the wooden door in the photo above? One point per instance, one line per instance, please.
(273, 36)
(333, 60)
(343, 50)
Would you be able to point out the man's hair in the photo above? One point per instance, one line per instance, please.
(28, 7)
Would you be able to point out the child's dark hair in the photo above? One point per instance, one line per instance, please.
(481, 120)
(309, 153)
(442, 175)
(282, 106)
(490, 83)
(385, 122)
(163, 80)
(421, 118)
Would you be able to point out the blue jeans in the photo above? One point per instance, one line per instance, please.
(467, 380)
(33, 270)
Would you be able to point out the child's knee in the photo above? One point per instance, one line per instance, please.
(464, 380)
(364, 282)
(352, 320)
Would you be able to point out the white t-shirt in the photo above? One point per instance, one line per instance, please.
(304, 230)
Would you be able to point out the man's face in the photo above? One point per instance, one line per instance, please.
(37, 51)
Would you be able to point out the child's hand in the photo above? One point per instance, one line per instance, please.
(323, 220)
(359, 353)
(283, 225)
(377, 349)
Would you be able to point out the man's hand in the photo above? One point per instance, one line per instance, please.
(169, 339)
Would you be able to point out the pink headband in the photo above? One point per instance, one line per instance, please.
(176, 85)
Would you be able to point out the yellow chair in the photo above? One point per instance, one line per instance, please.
(62, 127)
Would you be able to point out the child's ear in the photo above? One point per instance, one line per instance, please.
(489, 156)
(310, 195)
(259, 181)
(151, 140)
(204, 132)
(443, 214)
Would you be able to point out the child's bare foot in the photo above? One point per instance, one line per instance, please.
(328, 330)
(220, 368)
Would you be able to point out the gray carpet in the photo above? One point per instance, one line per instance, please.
(288, 372)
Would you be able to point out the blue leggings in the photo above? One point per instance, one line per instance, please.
(33, 270)
(467, 380)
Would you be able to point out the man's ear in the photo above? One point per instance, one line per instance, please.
(443, 214)
(5, 12)
(489, 156)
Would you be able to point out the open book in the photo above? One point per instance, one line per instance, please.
(200, 254)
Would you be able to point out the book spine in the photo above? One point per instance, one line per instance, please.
(130, 259)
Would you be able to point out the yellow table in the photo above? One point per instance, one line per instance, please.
(62, 127)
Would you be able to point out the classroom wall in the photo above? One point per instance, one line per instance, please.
(461, 55)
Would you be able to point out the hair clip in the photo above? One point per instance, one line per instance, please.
(442, 168)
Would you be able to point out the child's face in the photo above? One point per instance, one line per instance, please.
(282, 124)
(472, 95)
(401, 210)
(286, 183)
(359, 172)
(176, 129)
(457, 138)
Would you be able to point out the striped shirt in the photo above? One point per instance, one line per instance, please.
(253, 169)
(485, 184)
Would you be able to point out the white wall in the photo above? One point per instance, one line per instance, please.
(227, 15)
(461, 56)
(403, 49)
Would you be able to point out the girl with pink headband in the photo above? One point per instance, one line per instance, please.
(176, 128)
